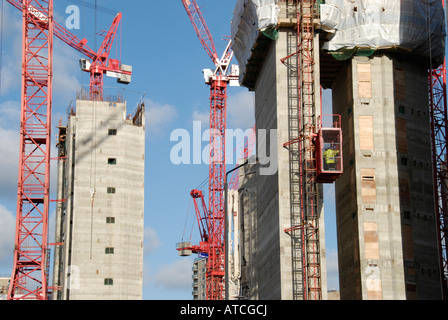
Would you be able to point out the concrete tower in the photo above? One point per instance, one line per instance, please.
(272, 258)
(375, 58)
(387, 240)
(100, 220)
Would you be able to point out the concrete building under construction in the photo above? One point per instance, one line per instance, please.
(99, 220)
(375, 57)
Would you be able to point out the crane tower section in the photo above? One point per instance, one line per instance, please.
(31, 253)
(439, 131)
(30, 269)
(218, 80)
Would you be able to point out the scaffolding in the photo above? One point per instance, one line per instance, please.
(304, 205)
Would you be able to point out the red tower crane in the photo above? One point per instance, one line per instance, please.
(439, 130)
(31, 254)
(218, 81)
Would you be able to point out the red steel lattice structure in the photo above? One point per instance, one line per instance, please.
(217, 171)
(304, 230)
(438, 108)
(439, 128)
(29, 276)
(31, 253)
(307, 124)
(99, 63)
(218, 82)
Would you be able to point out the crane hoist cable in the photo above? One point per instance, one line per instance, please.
(186, 220)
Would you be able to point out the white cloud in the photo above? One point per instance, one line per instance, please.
(65, 73)
(65, 60)
(175, 276)
(7, 232)
(332, 269)
(10, 114)
(151, 240)
(9, 161)
(158, 116)
(204, 117)
(9, 148)
(240, 110)
(11, 50)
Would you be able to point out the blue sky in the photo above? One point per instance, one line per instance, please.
(158, 40)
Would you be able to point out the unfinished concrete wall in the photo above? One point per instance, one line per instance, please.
(248, 232)
(268, 275)
(102, 219)
(387, 242)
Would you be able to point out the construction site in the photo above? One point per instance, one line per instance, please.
(261, 221)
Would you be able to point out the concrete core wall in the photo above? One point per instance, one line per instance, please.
(101, 222)
(387, 241)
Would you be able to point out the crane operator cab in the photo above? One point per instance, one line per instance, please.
(329, 150)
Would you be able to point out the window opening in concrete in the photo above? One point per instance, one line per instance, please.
(109, 250)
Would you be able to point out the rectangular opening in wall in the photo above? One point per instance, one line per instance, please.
(364, 80)
(368, 186)
(110, 219)
(402, 136)
(404, 161)
(110, 190)
(108, 281)
(109, 250)
(408, 242)
(112, 161)
(406, 214)
(366, 133)
(112, 132)
(371, 240)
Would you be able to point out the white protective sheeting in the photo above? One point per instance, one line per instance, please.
(250, 17)
(413, 25)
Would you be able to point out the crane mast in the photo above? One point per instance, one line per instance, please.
(29, 279)
(439, 131)
(29, 275)
(218, 81)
